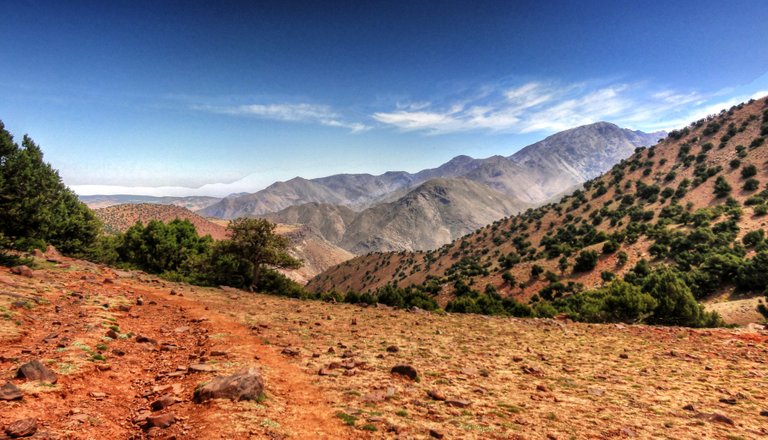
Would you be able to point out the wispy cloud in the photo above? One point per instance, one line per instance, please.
(552, 106)
(305, 113)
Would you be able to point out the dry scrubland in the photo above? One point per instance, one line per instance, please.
(500, 377)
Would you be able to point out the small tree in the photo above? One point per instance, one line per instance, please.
(254, 240)
(722, 188)
(585, 261)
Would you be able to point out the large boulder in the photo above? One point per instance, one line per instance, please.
(35, 370)
(246, 384)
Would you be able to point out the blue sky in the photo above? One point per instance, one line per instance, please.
(150, 97)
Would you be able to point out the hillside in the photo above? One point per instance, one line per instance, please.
(316, 252)
(326, 368)
(658, 205)
(429, 216)
(193, 203)
(533, 175)
(118, 218)
(426, 217)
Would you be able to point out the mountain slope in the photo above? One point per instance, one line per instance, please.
(535, 174)
(686, 202)
(426, 217)
(118, 218)
(432, 214)
(574, 156)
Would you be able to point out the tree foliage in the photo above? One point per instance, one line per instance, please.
(36, 208)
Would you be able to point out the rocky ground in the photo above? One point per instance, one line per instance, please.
(127, 351)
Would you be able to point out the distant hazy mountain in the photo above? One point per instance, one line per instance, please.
(534, 174)
(192, 203)
(428, 216)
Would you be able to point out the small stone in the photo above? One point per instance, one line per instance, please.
(392, 349)
(716, 418)
(764, 413)
(202, 368)
(595, 391)
(405, 370)
(289, 351)
(542, 388)
(435, 433)
(23, 271)
(728, 400)
(139, 301)
(10, 391)
(162, 403)
(112, 334)
(624, 356)
(35, 370)
(690, 407)
(436, 395)
(244, 385)
(98, 395)
(144, 339)
(458, 403)
(21, 428)
(160, 421)
(173, 292)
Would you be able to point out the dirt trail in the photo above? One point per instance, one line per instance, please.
(63, 316)
(306, 414)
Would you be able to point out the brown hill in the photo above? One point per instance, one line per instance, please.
(118, 218)
(649, 198)
(193, 203)
(316, 253)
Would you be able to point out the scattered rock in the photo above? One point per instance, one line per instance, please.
(243, 385)
(690, 407)
(458, 403)
(542, 388)
(624, 356)
(143, 339)
(436, 395)
(139, 301)
(716, 418)
(22, 270)
(112, 334)
(21, 428)
(764, 413)
(728, 400)
(162, 403)
(435, 433)
(596, 391)
(10, 391)
(405, 370)
(289, 351)
(202, 368)
(160, 421)
(392, 349)
(35, 370)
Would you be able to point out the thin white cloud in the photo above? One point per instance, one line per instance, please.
(548, 107)
(305, 113)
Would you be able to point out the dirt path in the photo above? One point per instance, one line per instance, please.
(305, 413)
(64, 316)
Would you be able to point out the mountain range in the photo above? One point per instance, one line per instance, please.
(695, 201)
(532, 175)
